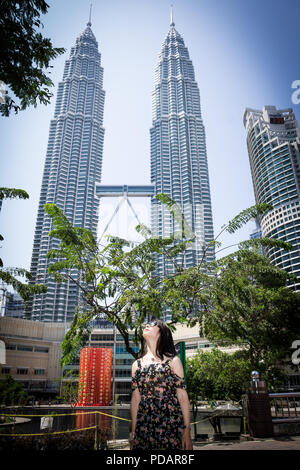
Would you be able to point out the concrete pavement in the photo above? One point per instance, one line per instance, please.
(276, 443)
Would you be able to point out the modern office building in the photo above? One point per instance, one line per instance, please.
(273, 140)
(14, 305)
(178, 154)
(73, 165)
(33, 353)
(256, 233)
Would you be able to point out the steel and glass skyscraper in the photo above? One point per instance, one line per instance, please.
(178, 153)
(273, 140)
(73, 165)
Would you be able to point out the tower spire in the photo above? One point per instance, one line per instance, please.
(171, 17)
(90, 17)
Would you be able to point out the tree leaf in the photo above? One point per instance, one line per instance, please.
(247, 214)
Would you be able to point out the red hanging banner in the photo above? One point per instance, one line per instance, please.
(94, 387)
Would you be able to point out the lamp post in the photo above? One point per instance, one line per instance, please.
(255, 379)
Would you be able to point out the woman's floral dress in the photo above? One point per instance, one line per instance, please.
(159, 422)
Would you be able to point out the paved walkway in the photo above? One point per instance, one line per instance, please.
(276, 443)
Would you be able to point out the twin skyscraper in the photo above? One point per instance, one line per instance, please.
(74, 156)
(178, 161)
(73, 164)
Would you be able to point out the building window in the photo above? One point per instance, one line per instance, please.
(23, 347)
(22, 371)
(191, 346)
(95, 337)
(39, 371)
(5, 370)
(42, 350)
(123, 373)
(122, 349)
(124, 361)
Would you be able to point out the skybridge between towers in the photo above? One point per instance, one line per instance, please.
(123, 191)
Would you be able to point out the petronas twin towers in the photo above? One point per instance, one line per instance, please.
(72, 167)
(75, 152)
(178, 152)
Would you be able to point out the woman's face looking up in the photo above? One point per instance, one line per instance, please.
(151, 330)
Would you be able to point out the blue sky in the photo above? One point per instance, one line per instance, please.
(245, 54)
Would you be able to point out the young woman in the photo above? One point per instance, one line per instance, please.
(160, 408)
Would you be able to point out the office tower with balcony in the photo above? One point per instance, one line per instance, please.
(73, 164)
(178, 154)
(273, 140)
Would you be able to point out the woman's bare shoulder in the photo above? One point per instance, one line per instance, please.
(176, 365)
(176, 359)
(134, 366)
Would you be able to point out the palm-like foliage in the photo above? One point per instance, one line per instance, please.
(118, 282)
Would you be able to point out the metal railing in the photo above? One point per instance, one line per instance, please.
(285, 407)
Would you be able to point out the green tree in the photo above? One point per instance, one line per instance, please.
(189, 290)
(217, 375)
(252, 306)
(69, 387)
(25, 54)
(76, 337)
(9, 275)
(117, 282)
(11, 392)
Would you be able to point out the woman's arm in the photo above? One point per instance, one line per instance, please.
(135, 399)
(185, 405)
(183, 399)
(182, 395)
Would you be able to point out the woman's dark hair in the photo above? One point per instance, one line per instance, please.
(165, 344)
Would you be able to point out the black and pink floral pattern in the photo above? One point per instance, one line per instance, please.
(159, 418)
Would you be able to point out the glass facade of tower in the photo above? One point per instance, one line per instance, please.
(73, 165)
(273, 140)
(178, 154)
